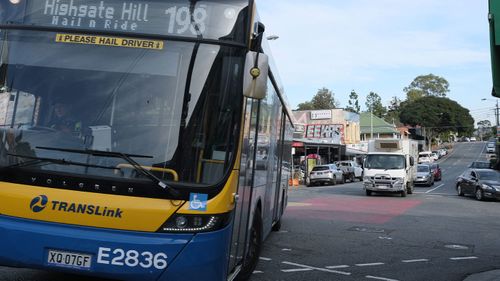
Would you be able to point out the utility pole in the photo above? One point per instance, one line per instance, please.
(371, 124)
(496, 113)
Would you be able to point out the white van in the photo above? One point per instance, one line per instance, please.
(425, 157)
(490, 147)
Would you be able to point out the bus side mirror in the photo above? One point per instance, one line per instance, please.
(255, 75)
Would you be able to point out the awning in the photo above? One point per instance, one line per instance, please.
(354, 152)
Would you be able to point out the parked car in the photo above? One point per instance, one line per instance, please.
(437, 153)
(329, 174)
(434, 156)
(424, 175)
(261, 162)
(490, 147)
(443, 152)
(425, 157)
(482, 183)
(473, 139)
(436, 170)
(351, 170)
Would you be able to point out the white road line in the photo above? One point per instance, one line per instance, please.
(415, 260)
(336, 266)
(265, 259)
(317, 268)
(296, 270)
(257, 272)
(463, 258)
(286, 250)
(380, 278)
(370, 264)
(441, 185)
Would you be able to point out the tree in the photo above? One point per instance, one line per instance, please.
(324, 99)
(353, 102)
(425, 86)
(393, 111)
(308, 105)
(484, 124)
(484, 128)
(374, 105)
(437, 115)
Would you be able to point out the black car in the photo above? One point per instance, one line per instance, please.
(482, 183)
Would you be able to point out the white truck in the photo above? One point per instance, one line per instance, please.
(390, 166)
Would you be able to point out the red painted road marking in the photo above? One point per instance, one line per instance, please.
(366, 210)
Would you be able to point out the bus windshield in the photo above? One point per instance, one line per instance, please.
(174, 105)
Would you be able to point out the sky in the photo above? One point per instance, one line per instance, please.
(381, 46)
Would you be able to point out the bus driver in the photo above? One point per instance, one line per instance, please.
(61, 120)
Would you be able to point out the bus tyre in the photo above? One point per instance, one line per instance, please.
(277, 225)
(254, 247)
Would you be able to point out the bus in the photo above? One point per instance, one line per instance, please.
(128, 138)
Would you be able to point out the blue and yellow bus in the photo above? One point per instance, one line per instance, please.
(129, 131)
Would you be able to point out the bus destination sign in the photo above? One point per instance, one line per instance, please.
(149, 17)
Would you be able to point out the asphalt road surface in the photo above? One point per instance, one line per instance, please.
(339, 233)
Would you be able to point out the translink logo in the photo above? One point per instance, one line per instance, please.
(39, 203)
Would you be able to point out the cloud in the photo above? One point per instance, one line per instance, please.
(332, 42)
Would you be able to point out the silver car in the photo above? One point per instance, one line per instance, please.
(329, 174)
(424, 175)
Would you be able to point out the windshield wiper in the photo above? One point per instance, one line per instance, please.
(62, 161)
(124, 156)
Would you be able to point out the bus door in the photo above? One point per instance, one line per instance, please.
(247, 168)
(281, 182)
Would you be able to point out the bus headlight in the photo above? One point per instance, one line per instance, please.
(195, 223)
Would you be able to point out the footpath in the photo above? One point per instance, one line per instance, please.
(493, 275)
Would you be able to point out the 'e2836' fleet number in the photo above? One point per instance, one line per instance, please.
(131, 258)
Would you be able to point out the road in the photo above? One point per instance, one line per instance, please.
(338, 233)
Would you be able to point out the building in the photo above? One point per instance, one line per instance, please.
(325, 133)
(373, 127)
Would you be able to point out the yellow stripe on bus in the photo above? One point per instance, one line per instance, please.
(109, 41)
(84, 208)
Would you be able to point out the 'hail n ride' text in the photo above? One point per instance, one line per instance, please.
(125, 17)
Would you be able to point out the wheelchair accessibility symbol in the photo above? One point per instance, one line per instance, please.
(198, 201)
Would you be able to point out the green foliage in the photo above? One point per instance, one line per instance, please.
(437, 114)
(305, 106)
(425, 86)
(374, 104)
(324, 99)
(484, 124)
(353, 102)
(393, 111)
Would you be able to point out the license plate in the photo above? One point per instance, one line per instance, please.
(69, 259)
(383, 186)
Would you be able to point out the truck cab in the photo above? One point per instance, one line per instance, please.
(389, 166)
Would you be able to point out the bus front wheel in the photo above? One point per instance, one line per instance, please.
(254, 247)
